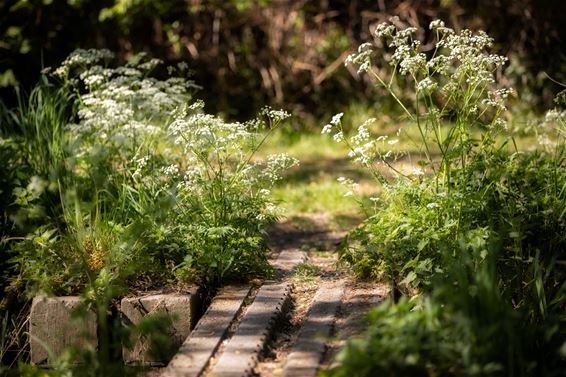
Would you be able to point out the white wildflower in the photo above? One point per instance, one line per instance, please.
(326, 129)
(501, 124)
(336, 119)
(264, 192)
(426, 85)
(384, 30)
(338, 137)
(171, 170)
(436, 24)
(276, 116)
(417, 171)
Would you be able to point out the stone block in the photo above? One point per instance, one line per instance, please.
(56, 324)
(159, 324)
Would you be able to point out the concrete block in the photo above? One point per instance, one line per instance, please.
(198, 349)
(306, 355)
(242, 351)
(55, 325)
(159, 323)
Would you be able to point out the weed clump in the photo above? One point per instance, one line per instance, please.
(474, 233)
(116, 180)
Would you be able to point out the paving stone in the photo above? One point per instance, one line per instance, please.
(175, 316)
(288, 259)
(305, 356)
(195, 353)
(242, 351)
(55, 324)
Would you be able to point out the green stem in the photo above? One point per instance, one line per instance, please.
(393, 95)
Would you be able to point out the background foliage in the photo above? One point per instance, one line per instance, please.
(252, 52)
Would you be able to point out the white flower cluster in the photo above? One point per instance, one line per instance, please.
(122, 105)
(497, 98)
(200, 133)
(140, 164)
(436, 24)
(439, 27)
(82, 58)
(192, 181)
(460, 68)
(220, 150)
(275, 116)
(554, 116)
(334, 122)
(362, 58)
(426, 85)
(275, 166)
(384, 30)
(349, 184)
(171, 170)
(553, 128)
(362, 145)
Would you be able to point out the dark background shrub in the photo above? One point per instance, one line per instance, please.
(247, 53)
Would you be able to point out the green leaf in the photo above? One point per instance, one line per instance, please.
(411, 276)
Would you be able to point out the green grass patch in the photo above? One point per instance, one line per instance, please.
(311, 188)
(307, 273)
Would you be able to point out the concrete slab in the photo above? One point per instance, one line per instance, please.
(307, 353)
(195, 353)
(242, 351)
(288, 259)
(55, 324)
(174, 317)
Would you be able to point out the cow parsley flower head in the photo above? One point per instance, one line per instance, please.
(275, 166)
(554, 116)
(361, 58)
(338, 137)
(384, 29)
(436, 24)
(275, 116)
(426, 85)
(82, 59)
(335, 121)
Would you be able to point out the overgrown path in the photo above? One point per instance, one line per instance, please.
(293, 324)
(329, 304)
(289, 326)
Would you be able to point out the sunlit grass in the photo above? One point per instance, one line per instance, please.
(312, 190)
